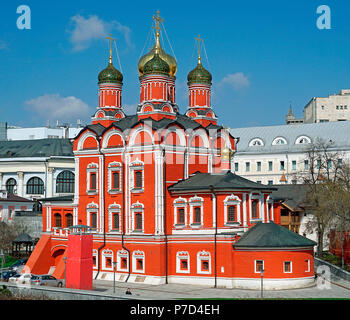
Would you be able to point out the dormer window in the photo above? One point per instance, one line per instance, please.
(303, 140)
(256, 143)
(279, 141)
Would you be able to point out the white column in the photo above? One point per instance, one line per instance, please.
(76, 180)
(101, 194)
(49, 187)
(244, 196)
(20, 191)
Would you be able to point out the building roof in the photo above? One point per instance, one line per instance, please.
(292, 195)
(335, 131)
(36, 148)
(9, 197)
(226, 181)
(23, 238)
(272, 235)
(58, 198)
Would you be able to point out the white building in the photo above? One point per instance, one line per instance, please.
(35, 169)
(335, 107)
(268, 154)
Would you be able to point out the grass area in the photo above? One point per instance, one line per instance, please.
(9, 260)
(333, 259)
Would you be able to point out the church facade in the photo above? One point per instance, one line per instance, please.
(158, 194)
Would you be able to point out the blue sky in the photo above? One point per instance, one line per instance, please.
(263, 55)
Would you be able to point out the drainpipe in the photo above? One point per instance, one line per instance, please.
(103, 213)
(216, 232)
(165, 224)
(123, 233)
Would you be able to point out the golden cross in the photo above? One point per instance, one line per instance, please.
(110, 38)
(157, 19)
(199, 47)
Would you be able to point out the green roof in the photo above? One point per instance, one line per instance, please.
(110, 75)
(36, 148)
(199, 75)
(156, 66)
(272, 235)
(226, 181)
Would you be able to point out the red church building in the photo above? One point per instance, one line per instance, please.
(157, 192)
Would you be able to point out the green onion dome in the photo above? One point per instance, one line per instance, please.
(110, 75)
(199, 75)
(156, 66)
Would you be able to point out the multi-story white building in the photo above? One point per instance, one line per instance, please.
(335, 107)
(276, 154)
(36, 169)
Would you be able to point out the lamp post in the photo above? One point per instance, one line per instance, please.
(65, 267)
(262, 284)
(114, 264)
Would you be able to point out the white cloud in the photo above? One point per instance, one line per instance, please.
(86, 30)
(54, 107)
(237, 80)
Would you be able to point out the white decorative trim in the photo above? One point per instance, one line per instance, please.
(182, 255)
(107, 253)
(232, 200)
(137, 208)
(122, 254)
(114, 167)
(91, 168)
(82, 139)
(138, 255)
(112, 209)
(196, 202)
(203, 256)
(179, 203)
(108, 135)
(279, 141)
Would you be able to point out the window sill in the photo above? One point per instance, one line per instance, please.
(91, 192)
(196, 225)
(114, 191)
(137, 190)
(232, 224)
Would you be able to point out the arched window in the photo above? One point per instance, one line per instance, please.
(93, 220)
(58, 220)
(11, 185)
(138, 222)
(65, 182)
(197, 215)
(69, 220)
(35, 186)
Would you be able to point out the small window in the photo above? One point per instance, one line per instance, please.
(69, 220)
(184, 264)
(139, 264)
(93, 220)
(181, 216)
(270, 166)
(123, 263)
(116, 221)
(281, 165)
(108, 262)
(115, 180)
(197, 215)
(258, 166)
(93, 181)
(306, 164)
(11, 185)
(259, 265)
(138, 224)
(287, 266)
(58, 220)
(255, 209)
(138, 179)
(205, 265)
(94, 261)
(247, 166)
(294, 165)
(231, 211)
(270, 182)
(236, 166)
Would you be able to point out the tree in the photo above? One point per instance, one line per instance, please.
(328, 183)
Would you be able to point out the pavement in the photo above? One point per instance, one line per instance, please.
(336, 288)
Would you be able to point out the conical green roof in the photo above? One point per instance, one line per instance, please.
(199, 75)
(110, 75)
(156, 66)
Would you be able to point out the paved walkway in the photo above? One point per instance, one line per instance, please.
(336, 289)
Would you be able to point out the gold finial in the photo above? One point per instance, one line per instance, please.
(110, 38)
(157, 19)
(199, 48)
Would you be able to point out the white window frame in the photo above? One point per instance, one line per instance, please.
(92, 208)
(308, 265)
(232, 200)
(91, 168)
(291, 266)
(122, 254)
(277, 141)
(177, 204)
(260, 198)
(136, 165)
(137, 208)
(114, 167)
(256, 142)
(95, 254)
(255, 265)
(112, 209)
(107, 253)
(138, 255)
(196, 202)
(203, 255)
(182, 255)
